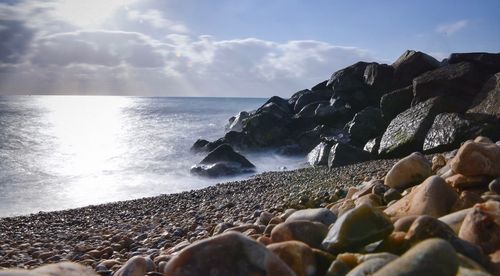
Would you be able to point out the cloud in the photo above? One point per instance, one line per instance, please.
(156, 19)
(451, 28)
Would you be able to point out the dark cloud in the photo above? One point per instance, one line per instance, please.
(15, 39)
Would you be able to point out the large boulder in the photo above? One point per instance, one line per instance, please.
(410, 65)
(379, 77)
(345, 154)
(335, 113)
(267, 128)
(223, 161)
(227, 254)
(236, 122)
(319, 155)
(309, 139)
(312, 97)
(488, 62)
(395, 102)
(366, 124)
(406, 133)
(449, 130)
(282, 103)
(488, 100)
(293, 99)
(461, 80)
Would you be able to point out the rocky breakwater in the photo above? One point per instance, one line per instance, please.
(371, 111)
(428, 215)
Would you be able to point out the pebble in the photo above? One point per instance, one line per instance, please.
(357, 227)
(408, 171)
(494, 186)
(297, 255)
(309, 232)
(476, 158)
(136, 266)
(430, 257)
(481, 226)
(321, 215)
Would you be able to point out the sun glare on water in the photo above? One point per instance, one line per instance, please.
(88, 13)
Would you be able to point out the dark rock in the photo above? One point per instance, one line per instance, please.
(406, 133)
(489, 62)
(267, 129)
(356, 228)
(379, 77)
(373, 145)
(395, 102)
(494, 186)
(280, 102)
(410, 65)
(430, 257)
(236, 122)
(293, 99)
(319, 155)
(309, 110)
(311, 138)
(461, 80)
(488, 100)
(227, 254)
(345, 154)
(297, 255)
(366, 124)
(312, 97)
(335, 114)
(449, 130)
(320, 86)
(199, 145)
(223, 161)
(136, 266)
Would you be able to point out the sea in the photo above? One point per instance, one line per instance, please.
(61, 152)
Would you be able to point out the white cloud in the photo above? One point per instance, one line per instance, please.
(451, 28)
(156, 19)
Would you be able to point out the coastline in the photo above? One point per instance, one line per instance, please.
(149, 225)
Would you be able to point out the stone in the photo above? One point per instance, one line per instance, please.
(321, 215)
(461, 80)
(433, 197)
(199, 145)
(438, 161)
(407, 132)
(344, 154)
(410, 65)
(356, 228)
(475, 158)
(320, 86)
(323, 261)
(319, 155)
(59, 269)
(459, 181)
(311, 233)
(379, 77)
(409, 171)
(366, 124)
(494, 186)
(223, 161)
(395, 102)
(226, 254)
(236, 124)
(430, 257)
(297, 255)
(373, 145)
(371, 266)
(489, 62)
(369, 199)
(481, 226)
(309, 111)
(278, 101)
(425, 227)
(136, 266)
(404, 223)
(487, 100)
(312, 97)
(454, 220)
(392, 194)
(267, 128)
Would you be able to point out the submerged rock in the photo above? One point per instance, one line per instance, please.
(227, 254)
(223, 161)
(356, 228)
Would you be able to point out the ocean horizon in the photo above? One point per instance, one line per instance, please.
(60, 152)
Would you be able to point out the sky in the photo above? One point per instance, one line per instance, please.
(225, 48)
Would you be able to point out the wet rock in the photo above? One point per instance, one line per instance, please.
(311, 233)
(223, 161)
(199, 145)
(488, 100)
(321, 215)
(236, 124)
(357, 227)
(60, 269)
(410, 65)
(481, 226)
(366, 124)
(395, 102)
(433, 197)
(344, 154)
(297, 255)
(319, 155)
(227, 254)
(461, 80)
(430, 257)
(475, 158)
(494, 186)
(136, 266)
(309, 111)
(406, 133)
(409, 171)
(372, 145)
